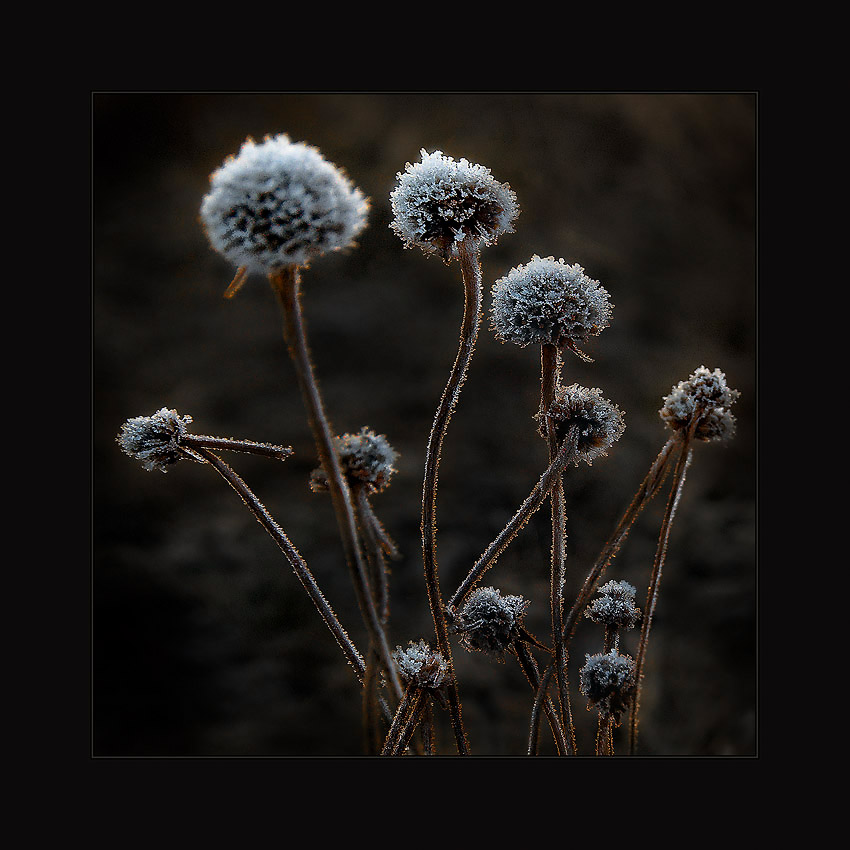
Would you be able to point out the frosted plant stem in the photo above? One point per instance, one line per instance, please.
(648, 488)
(297, 562)
(529, 668)
(528, 508)
(248, 446)
(550, 368)
(286, 285)
(652, 594)
(405, 716)
(471, 272)
(374, 549)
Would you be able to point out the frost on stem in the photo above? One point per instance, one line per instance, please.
(615, 606)
(548, 301)
(154, 440)
(422, 666)
(439, 202)
(705, 395)
(600, 423)
(608, 681)
(365, 457)
(489, 622)
(280, 203)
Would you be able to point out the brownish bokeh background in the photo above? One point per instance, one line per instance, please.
(205, 644)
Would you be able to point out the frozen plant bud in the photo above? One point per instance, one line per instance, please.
(600, 423)
(154, 440)
(280, 203)
(439, 202)
(550, 302)
(366, 458)
(421, 665)
(489, 622)
(704, 395)
(615, 606)
(608, 681)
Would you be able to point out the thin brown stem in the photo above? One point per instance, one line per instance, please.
(528, 508)
(529, 668)
(471, 273)
(286, 286)
(406, 713)
(652, 594)
(292, 554)
(248, 446)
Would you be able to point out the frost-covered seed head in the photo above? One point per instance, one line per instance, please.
(615, 606)
(366, 458)
(489, 622)
(280, 203)
(600, 422)
(608, 681)
(706, 395)
(548, 301)
(439, 202)
(421, 665)
(154, 440)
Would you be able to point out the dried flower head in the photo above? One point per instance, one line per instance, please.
(706, 396)
(608, 681)
(600, 423)
(366, 458)
(615, 606)
(549, 301)
(489, 622)
(439, 202)
(280, 203)
(421, 665)
(154, 440)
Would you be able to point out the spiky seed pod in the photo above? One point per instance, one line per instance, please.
(419, 664)
(600, 423)
(366, 458)
(548, 301)
(705, 395)
(154, 440)
(608, 681)
(440, 201)
(489, 622)
(615, 606)
(280, 203)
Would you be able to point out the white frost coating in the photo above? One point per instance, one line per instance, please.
(440, 201)
(279, 204)
(153, 440)
(600, 422)
(420, 664)
(548, 301)
(709, 392)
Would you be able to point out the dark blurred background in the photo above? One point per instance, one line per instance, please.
(204, 642)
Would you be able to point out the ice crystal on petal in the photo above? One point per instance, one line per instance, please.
(280, 203)
(600, 423)
(440, 201)
(548, 301)
(615, 606)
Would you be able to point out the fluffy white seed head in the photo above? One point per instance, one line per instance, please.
(154, 440)
(615, 606)
(489, 622)
(548, 301)
(608, 681)
(706, 396)
(419, 664)
(365, 457)
(280, 203)
(440, 201)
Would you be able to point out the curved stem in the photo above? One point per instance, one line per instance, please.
(286, 285)
(529, 667)
(471, 272)
(298, 564)
(652, 594)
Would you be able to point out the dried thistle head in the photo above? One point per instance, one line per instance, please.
(154, 440)
(706, 398)
(600, 423)
(366, 458)
(608, 681)
(548, 301)
(615, 606)
(280, 203)
(440, 201)
(421, 665)
(489, 622)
